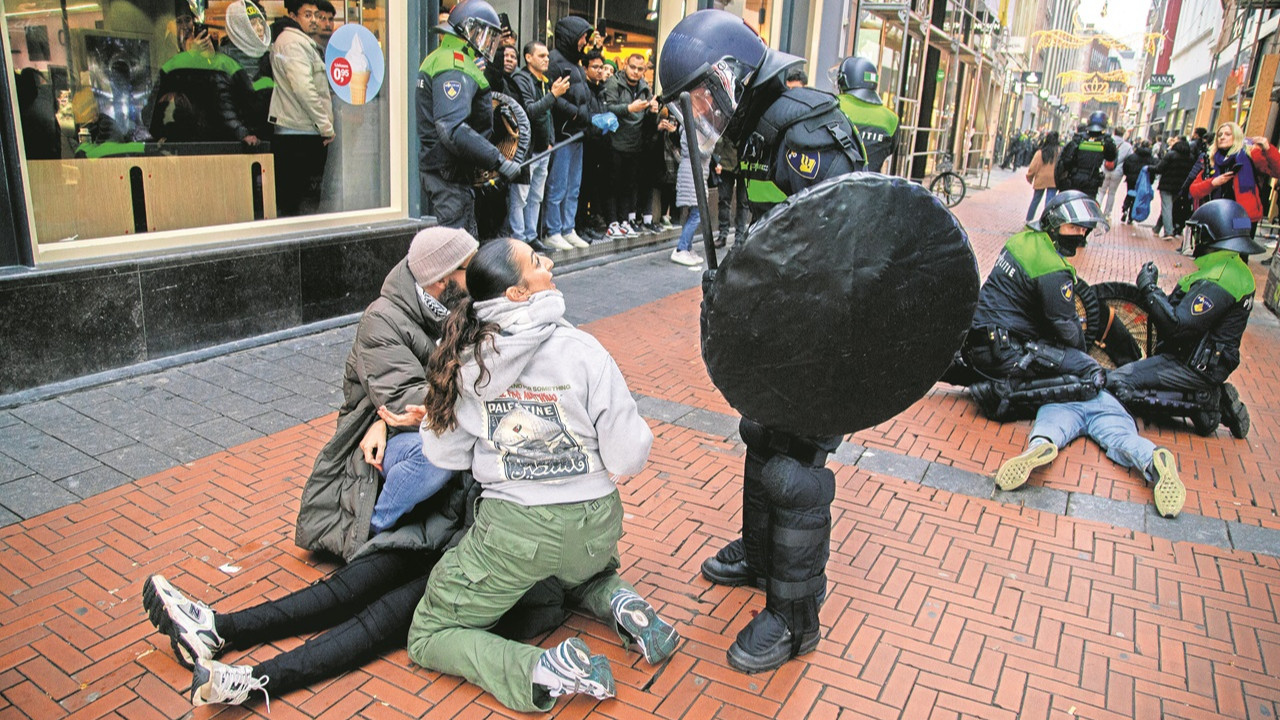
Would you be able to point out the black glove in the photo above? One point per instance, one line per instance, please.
(1149, 278)
(509, 170)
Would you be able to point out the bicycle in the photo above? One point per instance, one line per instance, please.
(946, 185)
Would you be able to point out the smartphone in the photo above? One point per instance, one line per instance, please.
(505, 22)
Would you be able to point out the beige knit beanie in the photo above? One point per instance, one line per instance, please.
(438, 251)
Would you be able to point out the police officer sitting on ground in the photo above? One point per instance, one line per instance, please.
(455, 115)
(877, 125)
(1083, 159)
(1200, 325)
(1027, 338)
(789, 139)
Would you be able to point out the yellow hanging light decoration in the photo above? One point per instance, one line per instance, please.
(1063, 40)
(1074, 76)
(1110, 97)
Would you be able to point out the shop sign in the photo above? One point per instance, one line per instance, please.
(1160, 81)
(1031, 78)
(355, 64)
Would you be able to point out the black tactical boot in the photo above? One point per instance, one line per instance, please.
(1234, 414)
(766, 643)
(729, 567)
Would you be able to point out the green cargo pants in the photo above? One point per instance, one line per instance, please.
(509, 549)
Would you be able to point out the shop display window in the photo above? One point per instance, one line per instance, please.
(148, 124)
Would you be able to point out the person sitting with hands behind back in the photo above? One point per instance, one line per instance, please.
(1230, 171)
(540, 413)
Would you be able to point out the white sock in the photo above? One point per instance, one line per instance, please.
(543, 676)
(648, 219)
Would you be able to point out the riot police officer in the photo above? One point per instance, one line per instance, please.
(455, 115)
(877, 125)
(1027, 337)
(788, 139)
(1199, 326)
(1081, 163)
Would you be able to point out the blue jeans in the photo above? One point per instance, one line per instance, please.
(524, 201)
(410, 479)
(563, 183)
(1048, 194)
(690, 227)
(1105, 420)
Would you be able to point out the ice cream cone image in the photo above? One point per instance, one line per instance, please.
(359, 87)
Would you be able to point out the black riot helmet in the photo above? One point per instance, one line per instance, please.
(1097, 121)
(1070, 207)
(476, 22)
(728, 71)
(1222, 225)
(858, 77)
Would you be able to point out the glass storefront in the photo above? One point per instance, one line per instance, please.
(147, 125)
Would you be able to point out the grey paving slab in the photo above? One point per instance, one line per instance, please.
(44, 454)
(712, 423)
(11, 469)
(93, 481)
(660, 409)
(899, 466)
(1188, 528)
(848, 453)
(57, 418)
(1105, 510)
(272, 421)
(225, 432)
(261, 369)
(1254, 539)
(302, 408)
(183, 383)
(177, 410)
(7, 418)
(259, 390)
(234, 405)
(186, 447)
(137, 461)
(8, 518)
(945, 477)
(1035, 497)
(30, 496)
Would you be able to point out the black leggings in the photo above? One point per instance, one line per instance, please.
(367, 606)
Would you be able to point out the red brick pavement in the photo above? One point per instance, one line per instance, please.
(940, 605)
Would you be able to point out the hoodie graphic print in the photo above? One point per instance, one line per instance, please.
(527, 428)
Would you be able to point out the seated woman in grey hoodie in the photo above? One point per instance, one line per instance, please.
(540, 414)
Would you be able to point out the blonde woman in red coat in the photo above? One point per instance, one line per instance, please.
(1233, 170)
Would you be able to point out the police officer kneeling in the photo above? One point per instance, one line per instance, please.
(1027, 338)
(1199, 327)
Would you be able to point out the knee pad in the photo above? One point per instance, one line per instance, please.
(790, 483)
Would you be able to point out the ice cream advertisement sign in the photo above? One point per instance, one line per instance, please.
(355, 64)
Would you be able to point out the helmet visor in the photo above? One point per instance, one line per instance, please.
(1082, 211)
(483, 37)
(714, 98)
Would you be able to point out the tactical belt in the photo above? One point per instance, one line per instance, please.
(802, 590)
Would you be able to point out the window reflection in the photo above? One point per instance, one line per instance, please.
(141, 116)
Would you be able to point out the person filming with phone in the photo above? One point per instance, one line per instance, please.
(1234, 170)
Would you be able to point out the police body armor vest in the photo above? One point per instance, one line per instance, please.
(802, 139)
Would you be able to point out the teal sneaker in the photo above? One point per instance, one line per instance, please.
(638, 621)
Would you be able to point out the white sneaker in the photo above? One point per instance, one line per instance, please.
(572, 238)
(557, 242)
(188, 623)
(575, 670)
(615, 232)
(630, 231)
(685, 257)
(213, 683)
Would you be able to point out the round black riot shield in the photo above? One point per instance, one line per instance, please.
(842, 307)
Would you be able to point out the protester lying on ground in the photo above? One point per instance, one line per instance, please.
(1105, 421)
(540, 413)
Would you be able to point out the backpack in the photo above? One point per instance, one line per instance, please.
(1142, 196)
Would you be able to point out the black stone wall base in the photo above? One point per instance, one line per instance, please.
(65, 323)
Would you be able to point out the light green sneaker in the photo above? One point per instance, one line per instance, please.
(1015, 471)
(1169, 492)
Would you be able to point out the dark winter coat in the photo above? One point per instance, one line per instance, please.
(536, 99)
(385, 367)
(1174, 168)
(1133, 165)
(212, 99)
(573, 110)
(617, 95)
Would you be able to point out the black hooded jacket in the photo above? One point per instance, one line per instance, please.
(573, 110)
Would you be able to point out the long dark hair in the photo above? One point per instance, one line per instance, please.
(1049, 148)
(493, 269)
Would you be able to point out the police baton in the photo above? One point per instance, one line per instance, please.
(571, 139)
(699, 182)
